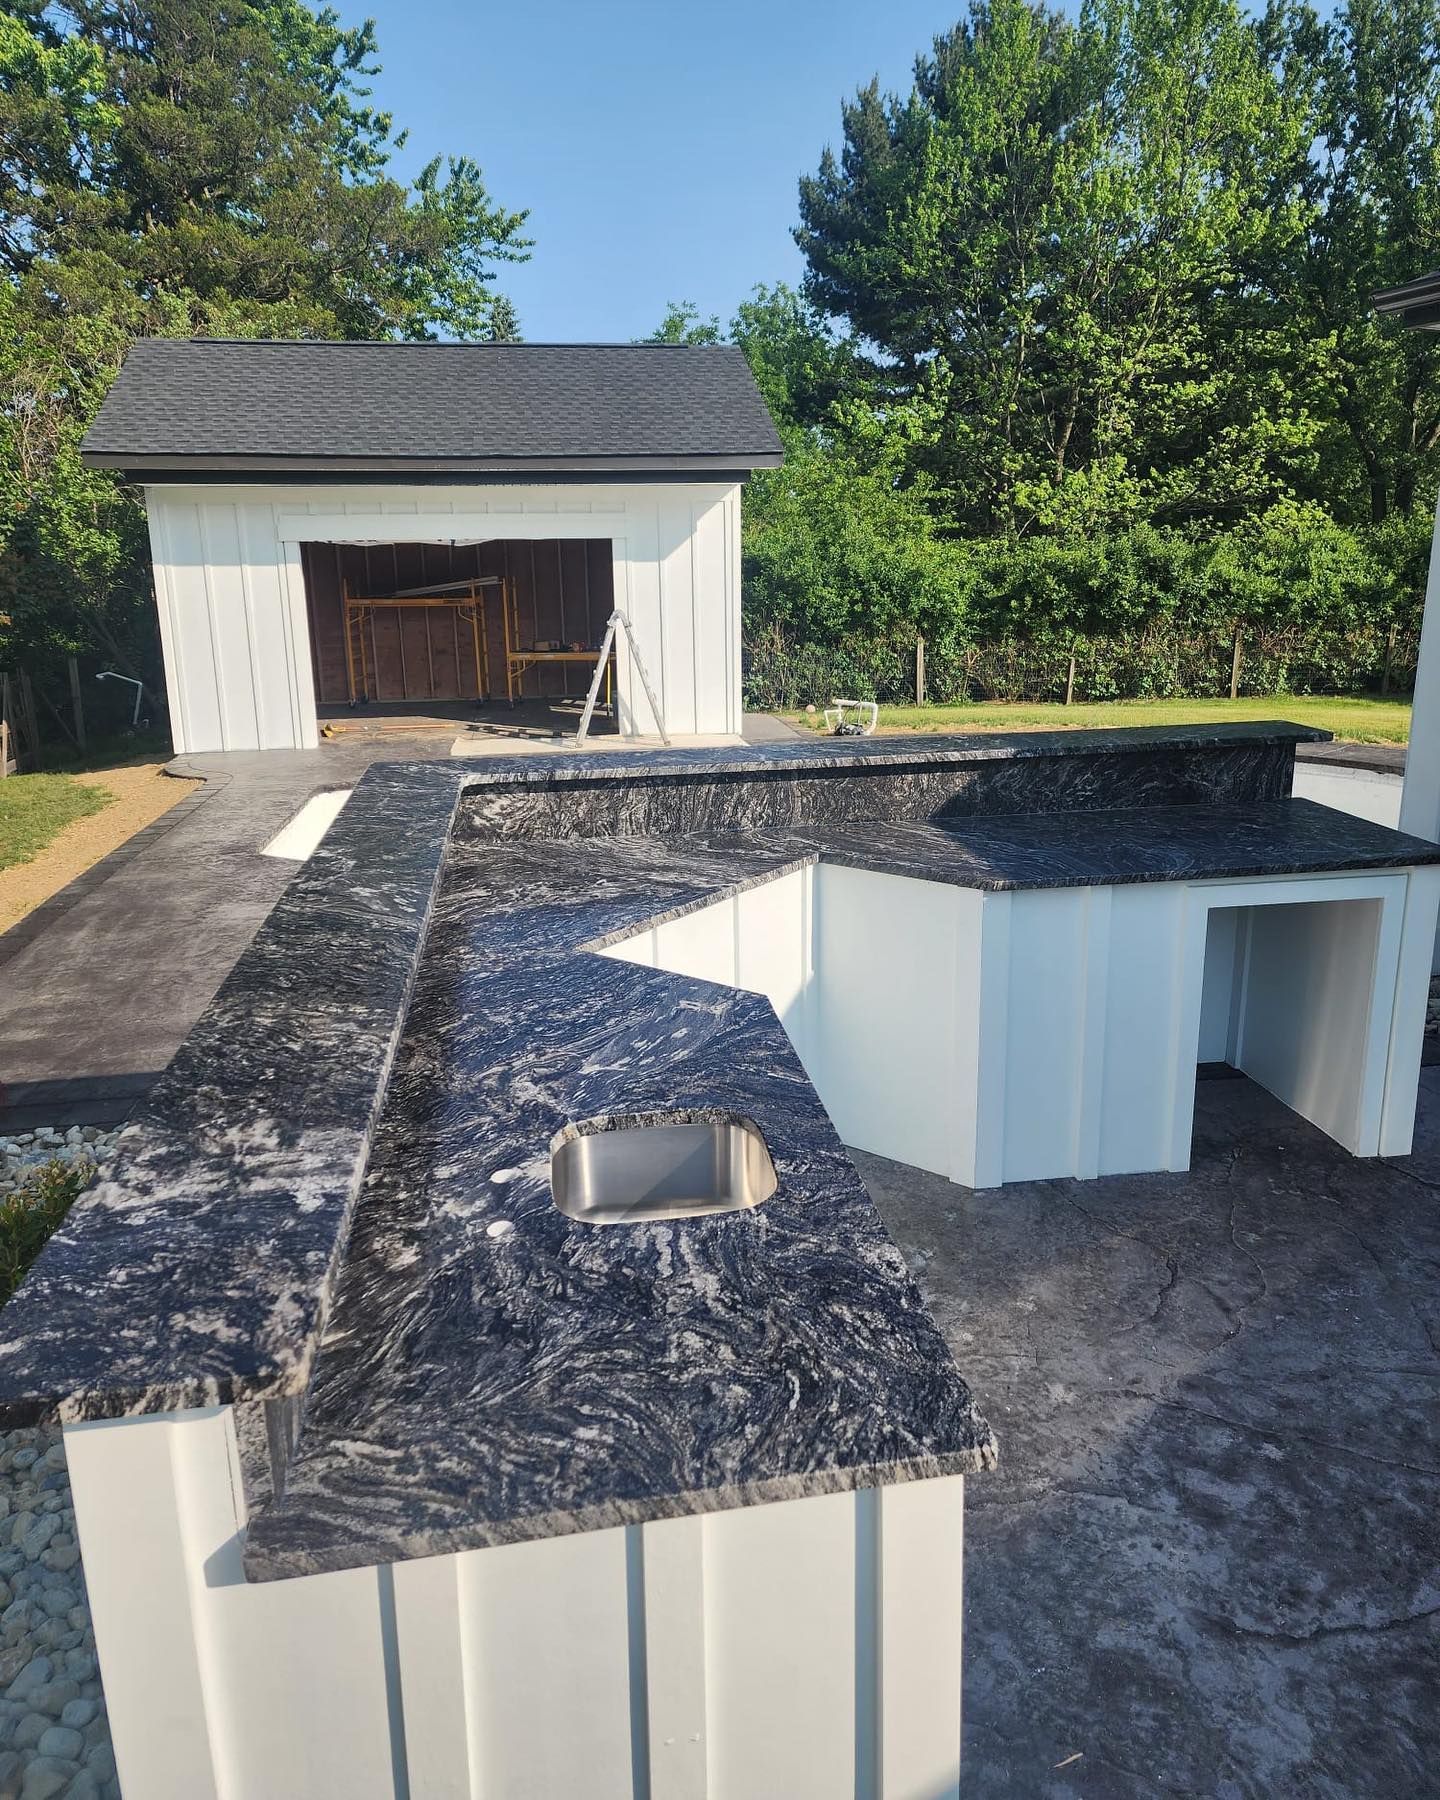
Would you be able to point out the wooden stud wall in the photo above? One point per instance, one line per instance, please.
(564, 590)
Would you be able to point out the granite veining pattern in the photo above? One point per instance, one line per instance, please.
(553, 1376)
(304, 1218)
(199, 1267)
(941, 779)
(1119, 848)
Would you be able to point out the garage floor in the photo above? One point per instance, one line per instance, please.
(1209, 1563)
(526, 719)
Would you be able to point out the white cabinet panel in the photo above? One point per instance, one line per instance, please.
(810, 1647)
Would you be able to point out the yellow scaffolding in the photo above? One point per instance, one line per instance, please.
(518, 659)
(463, 599)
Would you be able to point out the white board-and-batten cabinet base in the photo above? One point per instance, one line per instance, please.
(803, 1650)
(230, 589)
(1025, 1035)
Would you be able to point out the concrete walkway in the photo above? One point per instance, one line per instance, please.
(1209, 1563)
(99, 986)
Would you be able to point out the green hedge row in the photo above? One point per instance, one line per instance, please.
(843, 561)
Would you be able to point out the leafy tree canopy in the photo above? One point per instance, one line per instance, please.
(683, 324)
(206, 167)
(1124, 260)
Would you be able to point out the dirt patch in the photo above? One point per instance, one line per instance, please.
(142, 792)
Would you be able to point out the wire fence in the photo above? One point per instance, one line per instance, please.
(1149, 665)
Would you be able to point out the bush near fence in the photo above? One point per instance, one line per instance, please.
(1148, 612)
(1154, 664)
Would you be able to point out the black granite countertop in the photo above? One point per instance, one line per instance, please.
(909, 749)
(1123, 846)
(793, 1332)
(464, 1386)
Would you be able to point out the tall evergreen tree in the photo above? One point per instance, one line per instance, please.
(1369, 73)
(1051, 240)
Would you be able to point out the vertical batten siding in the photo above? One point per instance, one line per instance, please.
(231, 592)
(1024, 1036)
(197, 657)
(169, 629)
(808, 1647)
(234, 663)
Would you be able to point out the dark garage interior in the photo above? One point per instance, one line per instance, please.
(561, 593)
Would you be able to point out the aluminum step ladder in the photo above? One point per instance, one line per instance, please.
(617, 622)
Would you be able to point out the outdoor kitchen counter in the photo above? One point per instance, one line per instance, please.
(631, 1372)
(495, 1371)
(206, 1267)
(200, 1269)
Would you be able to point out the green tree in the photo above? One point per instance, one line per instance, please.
(502, 325)
(683, 324)
(1369, 74)
(207, 167)
(1050, 241)
(835, 551)
(802, 368)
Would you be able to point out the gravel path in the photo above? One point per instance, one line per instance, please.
(54, 1735)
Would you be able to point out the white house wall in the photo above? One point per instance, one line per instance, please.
(231, 592)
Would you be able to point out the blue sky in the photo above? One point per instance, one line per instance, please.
(658, 145)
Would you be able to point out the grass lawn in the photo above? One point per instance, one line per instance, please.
(33, 808)
(1361, 721)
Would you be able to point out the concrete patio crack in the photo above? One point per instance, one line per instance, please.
(1304, 1437)
(1317, 1632)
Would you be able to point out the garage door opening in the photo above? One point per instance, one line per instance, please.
(501, 634)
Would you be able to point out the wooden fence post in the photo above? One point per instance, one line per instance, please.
(1235, 664)
(919, 671)
(76, 704)
(1070, 680)
(27, 714)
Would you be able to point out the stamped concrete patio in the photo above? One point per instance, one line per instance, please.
(1209, 1564)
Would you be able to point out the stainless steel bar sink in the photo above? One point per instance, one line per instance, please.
(674, 1169)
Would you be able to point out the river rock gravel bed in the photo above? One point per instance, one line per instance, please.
(54, 1735)
(22, 1152)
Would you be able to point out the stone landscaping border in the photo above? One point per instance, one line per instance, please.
(54, 1733)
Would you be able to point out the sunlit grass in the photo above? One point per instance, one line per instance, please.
(1360, 721)
(34, 808)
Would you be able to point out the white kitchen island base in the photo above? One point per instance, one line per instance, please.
(803, 1650)
(1023, 1035)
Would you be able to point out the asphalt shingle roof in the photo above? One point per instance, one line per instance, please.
(208, 403)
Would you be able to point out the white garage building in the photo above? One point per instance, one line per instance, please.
(340, 525)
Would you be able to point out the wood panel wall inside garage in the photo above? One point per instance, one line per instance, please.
(564, 590)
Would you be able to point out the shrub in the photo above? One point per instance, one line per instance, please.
(1147, 613)
(32, 1212)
